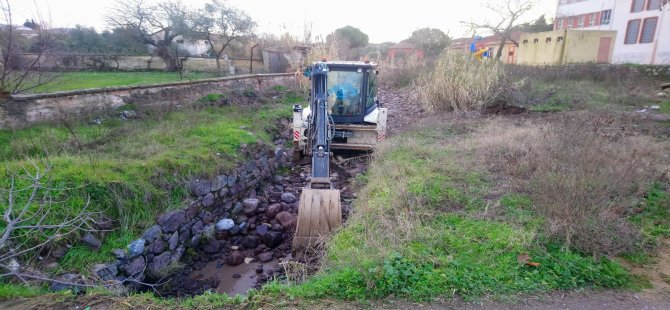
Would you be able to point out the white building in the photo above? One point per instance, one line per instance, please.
(643, 26)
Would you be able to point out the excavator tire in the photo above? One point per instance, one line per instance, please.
(319, 214)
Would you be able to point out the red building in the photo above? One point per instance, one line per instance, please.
(404, 49)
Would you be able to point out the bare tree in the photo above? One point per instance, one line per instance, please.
(27, 220)
(20, 73)
(156, 25)
(509, 13)
(220, 25)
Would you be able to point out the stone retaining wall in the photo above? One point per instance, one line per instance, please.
(23, 110)
(227, 210)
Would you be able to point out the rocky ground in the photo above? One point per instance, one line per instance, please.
(266, 243)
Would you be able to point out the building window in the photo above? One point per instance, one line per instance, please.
(525, 41)
(637, 6)
(648, 30)
(580, 24)
(536, 40)
(547, 40)
(592, 19)
(605, 17)
(559, 39)
(559, 23)
(569, 23)
(653, 5)
(632, 31)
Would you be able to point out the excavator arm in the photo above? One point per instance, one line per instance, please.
(320, 176)
(319, 212)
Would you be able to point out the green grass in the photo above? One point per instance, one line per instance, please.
(564, 95)
(86, 79)
(653, 217)
(665, 107)
(9, 291)
(134, 170)
(419, 233)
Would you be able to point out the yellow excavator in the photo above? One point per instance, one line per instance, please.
(343, 113)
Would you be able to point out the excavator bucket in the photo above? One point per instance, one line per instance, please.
(319, 215)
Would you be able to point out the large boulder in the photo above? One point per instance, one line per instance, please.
(91, 241)
(225, 224)
(273, 210)
(105, 272)
(159, 263)
(287, 220)
(288, 198)
(152, 233)
(64, 282)
(235, 258)
(135, 267)
(200, 187)
(208, 200)
(119, 254)
(170, 221)
(136, 248)
(218, 183)
(172, 242)
(272, 239)
(157, 247)
(250, 205)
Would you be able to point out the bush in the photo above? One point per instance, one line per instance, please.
(458, 82)
(583, 181)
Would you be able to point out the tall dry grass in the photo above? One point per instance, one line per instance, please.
(581, 180)
(459, 82)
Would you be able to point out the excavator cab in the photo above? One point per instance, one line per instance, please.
(343, 113)
(359, 120)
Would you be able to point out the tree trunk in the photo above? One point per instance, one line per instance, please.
(501, 47)
(218, 64)
(170, 61)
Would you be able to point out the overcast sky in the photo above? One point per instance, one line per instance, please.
(381, 20)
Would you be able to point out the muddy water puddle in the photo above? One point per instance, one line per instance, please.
(234, 280)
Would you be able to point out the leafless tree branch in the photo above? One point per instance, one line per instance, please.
(509, 11)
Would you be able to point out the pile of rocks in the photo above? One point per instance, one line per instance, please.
(248, 210)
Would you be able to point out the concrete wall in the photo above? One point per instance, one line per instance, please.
(542, 52)
(582, 46)
(23, 110)
(563, 47)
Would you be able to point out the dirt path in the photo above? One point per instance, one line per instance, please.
(404, 108)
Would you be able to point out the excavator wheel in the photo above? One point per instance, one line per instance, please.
(319, 215)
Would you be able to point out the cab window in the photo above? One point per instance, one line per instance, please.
(344, 93)
(372, 89)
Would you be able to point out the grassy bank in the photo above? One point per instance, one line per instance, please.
(433, 221)
(134, 169)
(91, 79)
